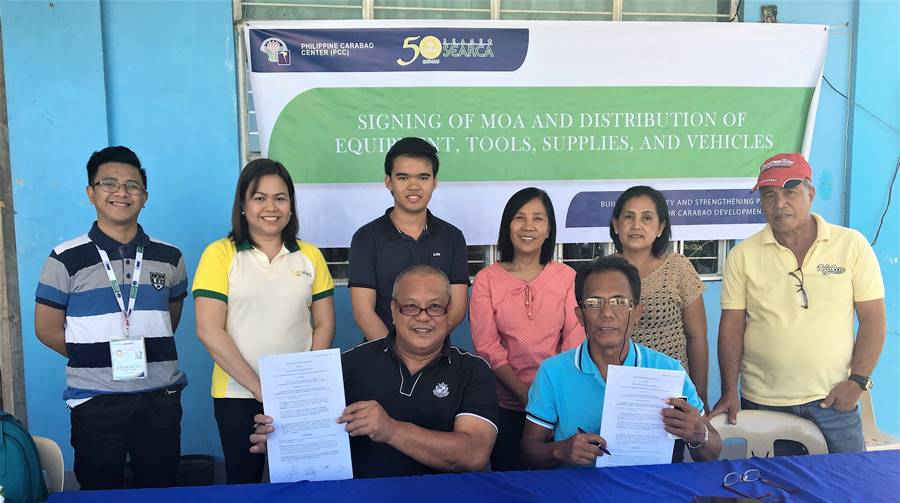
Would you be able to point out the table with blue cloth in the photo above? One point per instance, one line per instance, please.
(864, 477)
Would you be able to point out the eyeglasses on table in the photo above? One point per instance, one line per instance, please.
(752, 475)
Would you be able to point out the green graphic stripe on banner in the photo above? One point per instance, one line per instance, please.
(340, 135)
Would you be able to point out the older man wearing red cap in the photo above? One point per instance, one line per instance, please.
(789, 294)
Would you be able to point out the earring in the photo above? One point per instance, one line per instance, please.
(242, 212)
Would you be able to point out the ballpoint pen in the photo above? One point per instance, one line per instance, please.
(594, 442)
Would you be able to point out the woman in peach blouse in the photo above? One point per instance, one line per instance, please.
(522, 311)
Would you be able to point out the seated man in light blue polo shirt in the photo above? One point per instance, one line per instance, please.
(565, 403)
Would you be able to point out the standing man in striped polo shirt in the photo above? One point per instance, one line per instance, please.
(110, 302)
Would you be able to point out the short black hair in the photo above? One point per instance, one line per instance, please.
(116, 153)
(248, 182)
(662, 211)
(515, 203)
(608, 263)
(411, 147)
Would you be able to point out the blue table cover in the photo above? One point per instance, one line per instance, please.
(864, 477)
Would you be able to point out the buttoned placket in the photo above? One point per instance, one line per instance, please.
(408, 379)
(263, 259)
(125, 262)
(586, 358)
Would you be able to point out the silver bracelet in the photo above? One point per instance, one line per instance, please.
(696, 445)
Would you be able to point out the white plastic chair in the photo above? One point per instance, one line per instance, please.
(761, 428)
(876, 440)
(51, 461)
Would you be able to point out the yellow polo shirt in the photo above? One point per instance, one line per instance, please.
(268, 303)
(794, 355)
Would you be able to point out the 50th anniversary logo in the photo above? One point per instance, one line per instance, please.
(432, 49)
(388, 50)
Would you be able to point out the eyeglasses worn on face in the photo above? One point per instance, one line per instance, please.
(804, 299)
(112, 185)
(412, 310)
(615, 303)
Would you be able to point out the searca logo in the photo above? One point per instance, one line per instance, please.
(431, 49)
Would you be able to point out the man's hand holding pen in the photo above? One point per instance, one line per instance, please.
(581, 448)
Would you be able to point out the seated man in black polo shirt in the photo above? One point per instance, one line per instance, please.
(418, 405)
(407, 234)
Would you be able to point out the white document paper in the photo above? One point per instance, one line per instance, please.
(632, 424)
(304, 395)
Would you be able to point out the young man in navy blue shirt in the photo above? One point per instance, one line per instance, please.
(407, 234)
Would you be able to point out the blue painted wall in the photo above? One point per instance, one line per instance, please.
(157, 76)
(160, 77)
(829, 140)
(51, 135)
(875, 153)
(863, 35)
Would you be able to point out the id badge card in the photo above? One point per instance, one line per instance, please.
(129, 358)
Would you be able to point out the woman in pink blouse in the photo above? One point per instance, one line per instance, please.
(522, 311)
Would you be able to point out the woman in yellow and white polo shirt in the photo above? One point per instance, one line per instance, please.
(259, 291)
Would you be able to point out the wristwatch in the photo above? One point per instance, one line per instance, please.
(864, 381)
(695, 445)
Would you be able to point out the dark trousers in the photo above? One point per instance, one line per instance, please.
(145, 426)
(235, 419)
(506, 455)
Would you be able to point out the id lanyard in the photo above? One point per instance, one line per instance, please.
(135, 281)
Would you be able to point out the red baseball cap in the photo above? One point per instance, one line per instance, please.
(782, 169)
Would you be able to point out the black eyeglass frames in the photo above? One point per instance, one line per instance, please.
(804, 299)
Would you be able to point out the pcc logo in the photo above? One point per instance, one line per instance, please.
(276, 51)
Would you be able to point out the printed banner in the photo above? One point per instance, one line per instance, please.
(583, 110)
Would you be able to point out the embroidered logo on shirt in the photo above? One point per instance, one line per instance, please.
(158, 280)
(441, 390)
(827, 269)
(297, 274)
(436, 254)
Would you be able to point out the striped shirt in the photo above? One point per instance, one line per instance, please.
(74, 280)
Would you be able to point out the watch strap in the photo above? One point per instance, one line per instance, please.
(864, 382)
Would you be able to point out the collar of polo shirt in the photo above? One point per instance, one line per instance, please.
(110, 245)
(392, 336)
(291, 246)
(823, 231)
(432, 226)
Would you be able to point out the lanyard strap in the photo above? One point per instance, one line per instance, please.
(135, 281)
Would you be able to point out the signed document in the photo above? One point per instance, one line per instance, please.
(304, 394)
(632, 424)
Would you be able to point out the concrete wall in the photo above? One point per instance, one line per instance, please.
(875, 153)
(160, 77)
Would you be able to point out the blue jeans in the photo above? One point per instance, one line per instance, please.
(842, 430)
